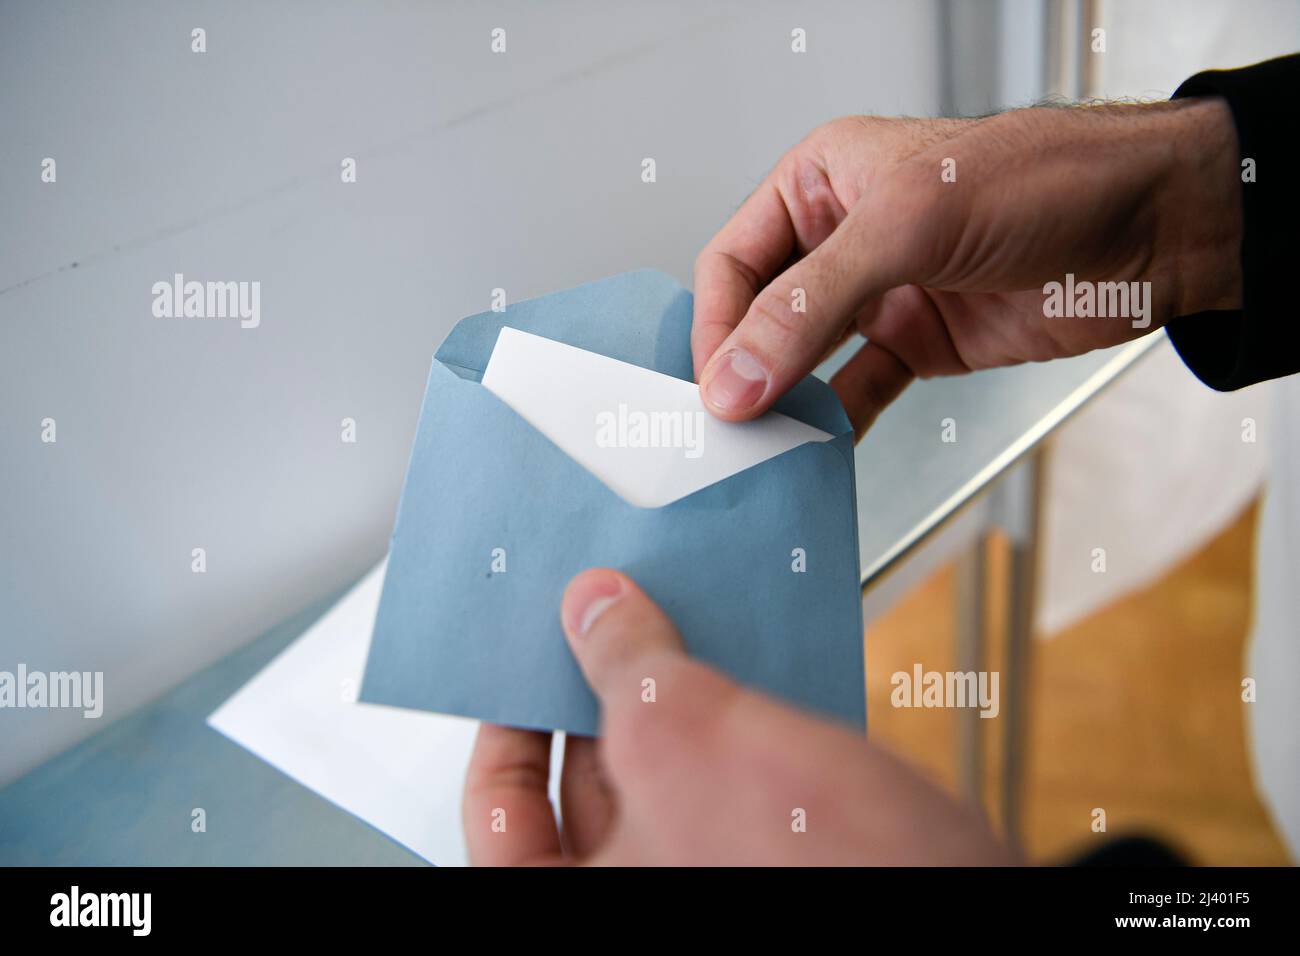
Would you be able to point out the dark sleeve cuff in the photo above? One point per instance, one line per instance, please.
(1229, 350)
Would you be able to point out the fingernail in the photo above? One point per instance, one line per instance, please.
(589, 596)
(737, 382)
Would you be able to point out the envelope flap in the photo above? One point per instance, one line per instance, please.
(641, 317)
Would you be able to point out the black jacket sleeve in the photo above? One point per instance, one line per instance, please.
(1229, 350)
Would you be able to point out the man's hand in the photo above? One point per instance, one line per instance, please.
(944, 277)
(705, 772)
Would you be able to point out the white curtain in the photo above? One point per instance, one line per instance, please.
(1273, 656)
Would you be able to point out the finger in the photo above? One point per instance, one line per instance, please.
(506, 813)
(914, 324)
(868, 382)
(615, 632)
(735, 265)
(586, 798)
(798, 316)
(657, 705)
(835, 345)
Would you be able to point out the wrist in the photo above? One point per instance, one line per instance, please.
(1201, 209)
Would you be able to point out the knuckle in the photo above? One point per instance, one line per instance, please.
(844, 126)
(735, 264)
(775, 324)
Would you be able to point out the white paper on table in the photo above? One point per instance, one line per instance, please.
(399, 770)
(608, 416)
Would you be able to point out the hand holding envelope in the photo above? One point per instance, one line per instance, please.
(536, 458)
(711, 774)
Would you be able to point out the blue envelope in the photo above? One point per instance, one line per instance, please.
(454, 636)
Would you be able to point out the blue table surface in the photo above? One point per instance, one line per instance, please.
(126, 795)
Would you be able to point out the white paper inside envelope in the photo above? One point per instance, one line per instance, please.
(644, 434)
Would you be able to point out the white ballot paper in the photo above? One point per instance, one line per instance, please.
(399, 770)
(644, 434)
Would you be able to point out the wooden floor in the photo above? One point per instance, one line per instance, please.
(1136, 710)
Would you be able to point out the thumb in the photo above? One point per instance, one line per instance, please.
(799, 317)
(616, 633)
(660, 710)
